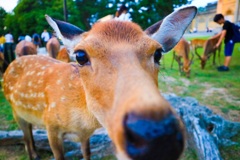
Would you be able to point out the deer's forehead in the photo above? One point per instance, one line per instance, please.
(117, 31)
(115, 34)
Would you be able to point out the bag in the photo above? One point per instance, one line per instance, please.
(236, 31)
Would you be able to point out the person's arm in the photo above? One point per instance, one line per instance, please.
(223, 34)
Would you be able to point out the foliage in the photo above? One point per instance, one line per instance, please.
(28, 16)
(3, 14)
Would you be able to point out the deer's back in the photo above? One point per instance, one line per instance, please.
(182, 49)
(39, 87)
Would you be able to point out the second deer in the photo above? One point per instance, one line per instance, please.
(182, 51)
(210, 50)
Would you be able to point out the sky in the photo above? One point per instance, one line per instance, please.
(9, 5)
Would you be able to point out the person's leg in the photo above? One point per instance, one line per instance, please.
(228, 55)
(6, 56)
(227, 60)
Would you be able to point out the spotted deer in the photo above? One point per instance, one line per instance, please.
(182, 51)
(25, 48)
(53, 47)
(210, 50)
(114, 85)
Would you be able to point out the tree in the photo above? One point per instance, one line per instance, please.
(3, 14)
(147, 12)
(29, 17)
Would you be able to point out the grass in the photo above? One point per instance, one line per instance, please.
(217, 90)
(6, 117)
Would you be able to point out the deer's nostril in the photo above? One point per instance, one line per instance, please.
(158, 139)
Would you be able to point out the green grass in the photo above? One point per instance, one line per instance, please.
(201, 80)
(217, 90)
(6, 117)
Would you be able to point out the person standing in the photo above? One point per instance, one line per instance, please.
(227, 34)
(2, 41)
(8, 50)
(36, 40)
(45, 37)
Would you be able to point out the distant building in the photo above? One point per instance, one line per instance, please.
(204, 19)
(230, 9)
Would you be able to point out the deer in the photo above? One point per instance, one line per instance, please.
(197, 43)
(209, 50)
(114, 85)
(25, 48)
(182, 51)
(63, 55)
(53, 47)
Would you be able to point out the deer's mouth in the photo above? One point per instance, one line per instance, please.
(153, 139)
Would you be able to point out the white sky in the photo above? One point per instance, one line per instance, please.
(9, 5)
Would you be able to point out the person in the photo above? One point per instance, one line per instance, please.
(8, 50)
(45, 37)
(122, 14)
(20, 38)
(36, 40)
(2, 41)
(227, 34)
(28, 38)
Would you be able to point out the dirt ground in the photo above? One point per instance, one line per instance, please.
(208, 92)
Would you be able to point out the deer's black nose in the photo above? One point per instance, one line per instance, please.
(151, 139)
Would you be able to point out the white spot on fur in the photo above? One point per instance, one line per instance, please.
(39, 73)
(40, 81)
(59, 82)
(52, 105)
(41, 94)
(63, 98)
(71, 77)
(29, 83)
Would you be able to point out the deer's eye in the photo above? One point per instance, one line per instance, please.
(157, 55)
(82, 57)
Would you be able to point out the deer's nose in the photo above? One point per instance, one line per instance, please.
(152, 139)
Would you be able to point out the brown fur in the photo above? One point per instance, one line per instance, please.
(209, 50)
(116, 88)
(25, 48)
(197, 43)
(182, 50)
(123, 64)
(53, 47)
(63, 55)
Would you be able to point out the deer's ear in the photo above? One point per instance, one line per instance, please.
(68, 33)
(171, 29)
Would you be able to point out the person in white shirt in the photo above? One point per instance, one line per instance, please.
(45, 37)
(9, 38)
(122, 14)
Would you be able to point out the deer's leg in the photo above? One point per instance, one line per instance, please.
(174, 57)
(178, 59)
(214, 57)
(85, 148)
(27, 137)
(56, 142)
